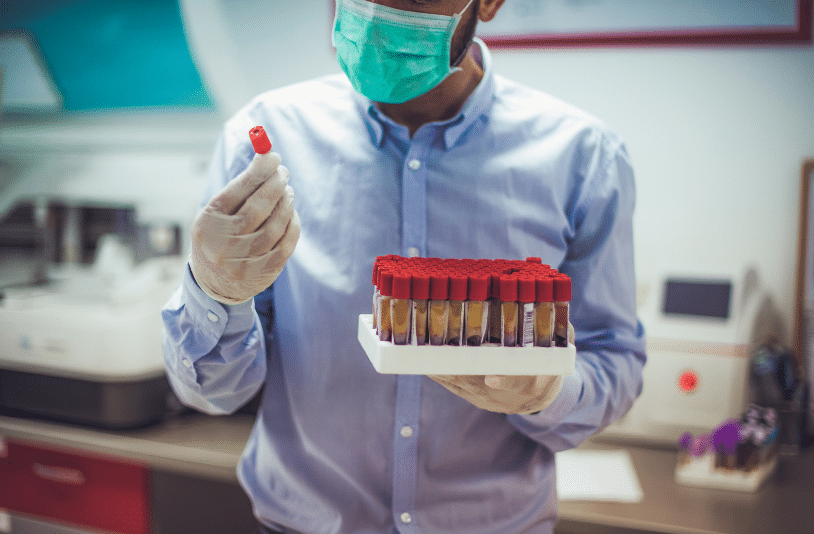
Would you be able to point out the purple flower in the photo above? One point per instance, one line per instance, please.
(685, 441)
(725, 438)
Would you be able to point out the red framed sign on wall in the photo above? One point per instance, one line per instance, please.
(593, 23)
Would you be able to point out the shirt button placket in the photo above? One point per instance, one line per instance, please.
(414, 203)
(408, 387)
(405, 453)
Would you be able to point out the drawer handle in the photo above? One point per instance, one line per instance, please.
(64, 475)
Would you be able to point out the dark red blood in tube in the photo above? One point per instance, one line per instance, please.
(260, 141)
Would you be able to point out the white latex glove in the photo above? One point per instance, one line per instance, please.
(504, 393)
(245, 234)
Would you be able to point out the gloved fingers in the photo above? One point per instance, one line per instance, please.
(211, 234)
(513, 394)
(550, 388)
(219, 235)
(253, 275)
(274, 228)
(215, 237)
(509, 382)
(571, 333)
(288, 242)
(462, 385)
(261, 204)
(234, 195)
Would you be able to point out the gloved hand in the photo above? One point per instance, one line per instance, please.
(506, 394)
(245, 234)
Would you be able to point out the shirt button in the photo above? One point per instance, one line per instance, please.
(406, 431)
(414, 164)
(413, 252)
(187, 363)
(212, 316)
(406, 518)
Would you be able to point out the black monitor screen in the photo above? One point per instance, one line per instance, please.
(708, 298)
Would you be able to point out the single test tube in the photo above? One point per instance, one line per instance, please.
(477, 310)
(401, 308)
(457, 296)
(526, 293)
(376, 296)
(383, 307)
(562, 297)
(495, 328)
(420, 294)
(439, 308)
(508, 310)
(543, 311)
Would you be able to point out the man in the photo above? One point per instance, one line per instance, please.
(419, 149)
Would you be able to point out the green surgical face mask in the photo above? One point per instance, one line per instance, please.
(389, 55)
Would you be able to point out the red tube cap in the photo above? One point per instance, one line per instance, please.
(562, 288)
(526, 291)
(421, 287)
(401, 285)
(544, 288)
(494, 285)
(386, 283)
(457, 287)
(479, 287)
(508, 288)
(439, 286)
(260, 141)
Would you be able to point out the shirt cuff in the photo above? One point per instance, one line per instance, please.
(231, 318)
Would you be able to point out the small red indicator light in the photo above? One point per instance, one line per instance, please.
(688, 381)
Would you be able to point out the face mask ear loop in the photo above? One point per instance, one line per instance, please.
(460, 59)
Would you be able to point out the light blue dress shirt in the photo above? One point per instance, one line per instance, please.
(338, 448)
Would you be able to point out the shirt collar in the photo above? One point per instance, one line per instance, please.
(476, 106)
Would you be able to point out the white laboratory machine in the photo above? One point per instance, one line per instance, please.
(94, 219)
(701, 327)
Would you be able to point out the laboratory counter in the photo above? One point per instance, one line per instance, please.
(193, 457)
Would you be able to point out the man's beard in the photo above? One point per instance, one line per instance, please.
(459, 49)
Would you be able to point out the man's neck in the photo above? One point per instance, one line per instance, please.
(440, 103)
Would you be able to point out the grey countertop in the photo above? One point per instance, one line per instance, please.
(210, 447)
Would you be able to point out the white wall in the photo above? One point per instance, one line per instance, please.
(717, 135)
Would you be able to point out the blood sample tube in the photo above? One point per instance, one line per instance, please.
(420, 294)
(543, 311)
(562, 297)
(401, 308)
(477, 310)
(457, 296)
(526, 293)
(439, 308)
(383, 307)
(376, 295)
(508, 310)
(382, 263)
(495, 330)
